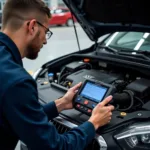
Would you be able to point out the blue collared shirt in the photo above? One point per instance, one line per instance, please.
(23, 117)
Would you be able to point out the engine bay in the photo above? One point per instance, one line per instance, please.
(131, 96)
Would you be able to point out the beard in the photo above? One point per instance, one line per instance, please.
(33, 48)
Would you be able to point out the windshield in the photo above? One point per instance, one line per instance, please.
(129, 40)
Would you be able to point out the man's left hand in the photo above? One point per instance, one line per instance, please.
(66, 101)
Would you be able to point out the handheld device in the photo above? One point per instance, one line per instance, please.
(90, 94)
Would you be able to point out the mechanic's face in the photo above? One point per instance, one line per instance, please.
(38, 39)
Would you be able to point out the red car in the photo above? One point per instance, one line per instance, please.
(61, 16)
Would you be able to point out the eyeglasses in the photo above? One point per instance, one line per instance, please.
(48, 32)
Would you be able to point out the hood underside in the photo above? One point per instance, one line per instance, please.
(99, 17)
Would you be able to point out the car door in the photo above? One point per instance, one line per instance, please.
(59, 17)
(56, 17)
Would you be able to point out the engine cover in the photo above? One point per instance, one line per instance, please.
(82, 75)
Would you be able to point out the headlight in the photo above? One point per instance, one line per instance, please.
(135, 137)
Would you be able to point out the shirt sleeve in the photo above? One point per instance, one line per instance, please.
(29, 121)
(51, 110)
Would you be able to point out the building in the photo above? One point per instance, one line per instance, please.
(50, 3)
(1, 5)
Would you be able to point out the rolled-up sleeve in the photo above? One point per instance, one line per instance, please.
(30, 121)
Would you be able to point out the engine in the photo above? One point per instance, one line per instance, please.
(131, 99)
(132, 92)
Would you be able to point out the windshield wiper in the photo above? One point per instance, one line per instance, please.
(142, 54)
(127, 52)
(107, 48)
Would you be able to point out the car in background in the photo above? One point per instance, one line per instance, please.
(61, 16)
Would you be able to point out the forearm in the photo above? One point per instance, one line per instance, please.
(59, 105)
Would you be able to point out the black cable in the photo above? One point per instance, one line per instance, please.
(139, 100)
(63, 76)
(89, 65)
(130, 93)
(60, 75)
(117, 107)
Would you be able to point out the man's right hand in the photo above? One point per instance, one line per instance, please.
(101, 114)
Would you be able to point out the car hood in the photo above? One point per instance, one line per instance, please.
(99, 17)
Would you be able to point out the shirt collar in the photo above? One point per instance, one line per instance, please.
(11, 47)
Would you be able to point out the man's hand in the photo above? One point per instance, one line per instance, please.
(66, 101)
(101, 114)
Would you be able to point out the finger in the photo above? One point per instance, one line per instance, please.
(76, 91)
(75, 88)
(111, 107)
(106, 100)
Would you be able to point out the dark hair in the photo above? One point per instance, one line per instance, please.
(15, 11)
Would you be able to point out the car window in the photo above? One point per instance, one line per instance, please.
(65, 10)
(52, 11)
(58, 11)
(128, 37)
(129, 40)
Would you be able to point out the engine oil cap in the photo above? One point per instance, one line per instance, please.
(123, 114)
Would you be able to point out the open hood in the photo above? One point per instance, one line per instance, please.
(99, 17)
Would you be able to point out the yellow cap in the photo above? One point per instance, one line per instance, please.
(69, 83)
(123, 113)
(45, 83)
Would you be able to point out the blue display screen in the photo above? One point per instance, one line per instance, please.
(94, 92)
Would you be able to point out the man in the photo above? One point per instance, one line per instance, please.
(24, 31)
